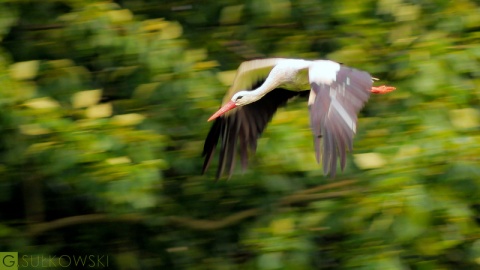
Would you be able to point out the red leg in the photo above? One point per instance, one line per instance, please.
(383, 89)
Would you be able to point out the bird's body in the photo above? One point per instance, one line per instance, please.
(292, 74)
(336, 95)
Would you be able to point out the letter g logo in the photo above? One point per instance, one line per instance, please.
(8, 260)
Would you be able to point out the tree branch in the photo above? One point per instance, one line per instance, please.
(306, 195)
(40, 228)
(205, 224)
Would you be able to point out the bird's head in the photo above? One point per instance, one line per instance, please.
(241, 98)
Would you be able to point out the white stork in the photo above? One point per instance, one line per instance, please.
(336, 95)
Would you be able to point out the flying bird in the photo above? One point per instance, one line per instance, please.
(336, 94)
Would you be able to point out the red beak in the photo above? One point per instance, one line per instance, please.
(227, 107)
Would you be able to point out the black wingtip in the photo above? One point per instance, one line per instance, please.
(211, 144)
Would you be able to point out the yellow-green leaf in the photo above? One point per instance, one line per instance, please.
(99, 111)
(42, 103)
(86, 98)
(369, 160)
(128, 119)
(24, 70)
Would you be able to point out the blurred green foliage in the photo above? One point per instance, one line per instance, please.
(103, 116)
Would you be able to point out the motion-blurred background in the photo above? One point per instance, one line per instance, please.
(103, 108)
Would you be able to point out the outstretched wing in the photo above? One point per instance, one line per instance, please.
(337, 95)
(239, 131)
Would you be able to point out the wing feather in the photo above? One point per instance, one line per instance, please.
(243, 127)
(337, 99)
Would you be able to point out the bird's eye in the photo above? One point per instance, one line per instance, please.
(239, 97)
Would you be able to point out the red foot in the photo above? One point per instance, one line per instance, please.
(382, 89)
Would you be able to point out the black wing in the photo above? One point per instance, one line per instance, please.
(333, 113)
(243, 128)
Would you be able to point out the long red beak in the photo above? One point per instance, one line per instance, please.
(227, 107)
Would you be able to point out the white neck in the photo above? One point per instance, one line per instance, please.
(268, 85)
